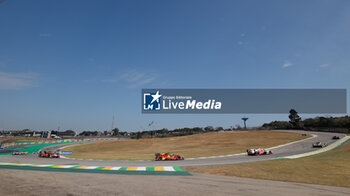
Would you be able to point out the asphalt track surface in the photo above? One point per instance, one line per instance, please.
(19, 182)
(288, 150)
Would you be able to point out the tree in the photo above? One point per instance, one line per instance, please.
(70, 132)
(15, 134)
(277, 125)
(209, 129)
(105, 132)
(115, 131)
(219, 129)
(138, 135)
(163, 131)
(294, 118)
(197, 130)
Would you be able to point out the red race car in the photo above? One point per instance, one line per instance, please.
(167, 157)
(258, 151)
(49, 154)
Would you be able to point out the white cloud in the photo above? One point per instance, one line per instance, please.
(324, 65)
(16, 80)
(133, 78)
(241, 40)
(242, 43)
(287, 64)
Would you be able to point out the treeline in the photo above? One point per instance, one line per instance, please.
(114, 132)
(175, 132)
(154, 133)
(330, 124)
(33, 133)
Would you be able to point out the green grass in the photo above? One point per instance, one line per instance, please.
(32, 148)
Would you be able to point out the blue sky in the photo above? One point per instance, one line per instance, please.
(75, 64)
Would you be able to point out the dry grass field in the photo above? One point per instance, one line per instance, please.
(328, 168)
(207, 144)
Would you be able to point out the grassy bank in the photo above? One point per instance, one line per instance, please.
(328, 168)
(207, 144)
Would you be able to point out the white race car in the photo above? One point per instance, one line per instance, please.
(258, 151)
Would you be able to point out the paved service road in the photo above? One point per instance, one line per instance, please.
(292, 149)
(19, 182)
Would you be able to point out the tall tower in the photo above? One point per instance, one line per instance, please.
(245, 125)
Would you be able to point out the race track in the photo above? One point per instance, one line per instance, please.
(72, 182)
(300, 147)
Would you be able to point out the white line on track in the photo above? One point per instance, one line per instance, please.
(141, 169)
(115, 168)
